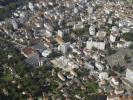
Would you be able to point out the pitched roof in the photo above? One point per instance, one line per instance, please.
(28, 50)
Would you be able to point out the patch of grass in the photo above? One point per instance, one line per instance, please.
(7, 77)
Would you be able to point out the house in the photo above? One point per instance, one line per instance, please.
(125, 30)
(114, 81)
(75, 10)
(115, 29)
(73, 73)
(60, 75)
(123, 44)
(95, 56)
(110, 21)
(113, 97)
(90, 9)
(101, 34)
(113, 37)
(88, 66)
(98, 45)
(102, 83)
(103, 75)
(122, 23)
(119, 91)
(28, 52)
(48, 33)
(59, 40)
(99, 66)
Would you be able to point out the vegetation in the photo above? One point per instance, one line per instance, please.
(131, 46)
(128, 36)
(119, 68)
(127, 59)
(7, 8)
(89, 93)
(80, 32)
(111, 51)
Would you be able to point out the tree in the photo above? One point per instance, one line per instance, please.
(12, 5)
(131, 46)
(111, 51)
(127, 59)
(128, 36)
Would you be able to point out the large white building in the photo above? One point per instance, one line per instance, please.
(98, 45)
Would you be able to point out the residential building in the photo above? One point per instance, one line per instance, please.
(98, 45)
(129, 74)
(28, 52)
(60, 75)
(64, 47)
(92, 30)
(103, 75)
(99, 66)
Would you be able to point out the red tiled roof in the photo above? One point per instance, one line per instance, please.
(28, 50)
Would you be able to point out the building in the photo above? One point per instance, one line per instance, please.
(46, 53)
(64, 47)
(39, 46)
(88, 66)
(113, 37)
(34, 61)
(73, 73)
(92, 30)
(101, 34)
(28, 52)
(14, 24)
(129, 74)
(60, 33)
(115, 29)
(59, 40)
(123, 44)
(98, 45)
(119, 91)
(114, 81)
(79, 25)
(61, 76)
(113, 97)
(31, 6)
(103, 75)
(99, 66)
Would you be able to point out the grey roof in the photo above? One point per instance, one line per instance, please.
(39, 46)
(33, 61)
